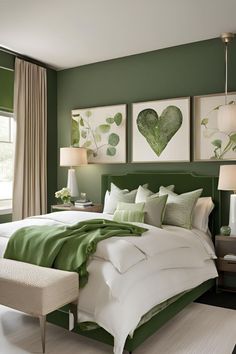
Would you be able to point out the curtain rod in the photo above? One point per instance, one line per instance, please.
(24, 57)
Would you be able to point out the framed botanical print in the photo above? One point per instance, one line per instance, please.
(102, 131)
(161, 130)
(211, 144)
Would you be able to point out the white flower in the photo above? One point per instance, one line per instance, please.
(64, 192)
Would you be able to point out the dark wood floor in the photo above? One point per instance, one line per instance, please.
(221, 299)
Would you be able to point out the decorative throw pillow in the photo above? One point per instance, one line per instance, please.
(128, 216)
(130, 206)
(179, 208)
(201, 212)
(117, 195)
(115, 188)
(129, 212)
(143, 193)
(154, 210)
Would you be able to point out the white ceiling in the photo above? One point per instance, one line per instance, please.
(69, 33)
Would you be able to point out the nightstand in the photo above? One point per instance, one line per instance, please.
(225, 245)
(95, 208)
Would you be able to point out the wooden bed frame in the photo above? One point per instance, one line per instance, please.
(183, 182)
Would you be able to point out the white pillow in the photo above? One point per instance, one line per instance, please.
(121, 253)
(115, 188)
(117, 195)
(201, 212)
(143, 193)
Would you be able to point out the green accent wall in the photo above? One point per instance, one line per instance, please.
(186, 70)
(6, 82)
(6, 89)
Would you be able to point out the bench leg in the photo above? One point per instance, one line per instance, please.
(42, 321)
(74, 311)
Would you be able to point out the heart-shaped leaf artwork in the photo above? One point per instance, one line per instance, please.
(158, 131)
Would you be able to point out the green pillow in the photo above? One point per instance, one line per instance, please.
(130, 206)
(129, 216)
(179, 208)
(154, 210)
(129, 212)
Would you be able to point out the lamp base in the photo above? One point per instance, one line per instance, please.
(72, 183)
(232, 214)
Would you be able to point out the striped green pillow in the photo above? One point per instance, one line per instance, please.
(129, 212)
(129, 216)
(179, 208)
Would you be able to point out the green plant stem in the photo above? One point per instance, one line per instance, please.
(226, 150)
(102, 146)
(93, 136)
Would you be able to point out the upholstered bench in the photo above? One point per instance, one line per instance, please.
(36, 290)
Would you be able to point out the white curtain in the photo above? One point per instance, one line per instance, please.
(30, 171)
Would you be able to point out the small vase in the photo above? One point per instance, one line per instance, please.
(66, 201)
(225, 230)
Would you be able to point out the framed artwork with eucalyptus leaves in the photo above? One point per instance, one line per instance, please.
(210, 144)
(102, 131)
(161, 130)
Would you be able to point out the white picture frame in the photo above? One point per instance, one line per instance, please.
(177, 135)
(209, 142)
(102, 130)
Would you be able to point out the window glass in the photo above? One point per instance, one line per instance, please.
(4, 128)
(7, 128)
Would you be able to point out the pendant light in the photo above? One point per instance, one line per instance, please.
(227, 112)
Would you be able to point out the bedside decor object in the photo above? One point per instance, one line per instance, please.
(81, 204)
(161, 130)
(227, 112)
(101, 130)
(83, 197)
(227, 182)
(210, 143)
(226, 262)
(73, 156)
(94, 208)
(225, 230)
(64, 195)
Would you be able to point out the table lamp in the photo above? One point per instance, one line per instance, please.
(227, 182)
(73, 156)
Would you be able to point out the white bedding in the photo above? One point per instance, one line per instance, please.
(131, 275)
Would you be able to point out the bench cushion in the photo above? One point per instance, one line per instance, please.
(35, 290)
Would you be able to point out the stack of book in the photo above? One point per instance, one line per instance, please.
(83, 203)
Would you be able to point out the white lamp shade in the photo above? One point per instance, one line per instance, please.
(73, 156)
(227, 178)
(227, 118)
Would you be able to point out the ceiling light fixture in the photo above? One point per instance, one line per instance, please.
(227, 112)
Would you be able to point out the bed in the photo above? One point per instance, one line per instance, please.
(148, 311)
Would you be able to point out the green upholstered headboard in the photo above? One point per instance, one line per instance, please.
(184, 182)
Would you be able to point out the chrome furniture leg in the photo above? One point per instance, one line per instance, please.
(42, 321)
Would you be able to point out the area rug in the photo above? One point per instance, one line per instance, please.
(198, 329)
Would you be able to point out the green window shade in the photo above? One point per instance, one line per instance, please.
(6, 90)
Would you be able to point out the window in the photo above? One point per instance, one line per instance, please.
(7, 133)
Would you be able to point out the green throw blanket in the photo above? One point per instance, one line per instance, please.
(65, 247)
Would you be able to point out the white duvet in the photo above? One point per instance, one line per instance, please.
(129, 276)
